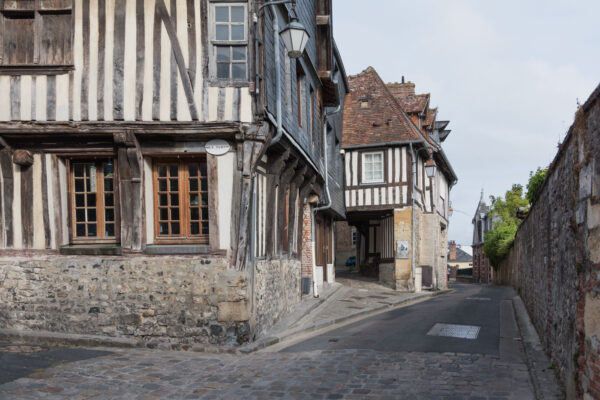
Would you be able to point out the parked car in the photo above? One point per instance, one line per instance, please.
(351, 261)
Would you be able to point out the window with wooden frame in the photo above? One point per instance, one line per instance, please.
(93, 199)
(181, 201)
(372, 167)
(36, 34)
(229, 40)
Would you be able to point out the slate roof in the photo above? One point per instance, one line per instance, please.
(381, 121)
(461, 256)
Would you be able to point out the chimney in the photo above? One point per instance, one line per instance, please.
(402, 89)
(452, 255)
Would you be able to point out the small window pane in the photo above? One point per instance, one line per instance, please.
(92, 230)
(237, 32)
(108, 185)
(78, 170)
(91, 214)
(163, 200)
(80, 200)
(79, 185)
(237, 14)
(204, 199)
(174, 185)
(175, 228)
(204, 185)
(223, 71)
(109, 200)
(205, 228)
(164, 228)
(193, 170)
(194, 199)
(174, 214)
(109, 215)
(194, 214)
(223, 54)
(204, 213)
(80, 230)
(238, 71)
(163, 214)
(193, 185)
(195, 228)
(162, 171)
(110, 229)
(203, 169)
(162, 185)
(222, 32)
(238, 53)
(80, 215)
(222, 14)
(173, 170)
(174, 199)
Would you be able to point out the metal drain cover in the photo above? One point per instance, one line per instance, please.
(455, 331)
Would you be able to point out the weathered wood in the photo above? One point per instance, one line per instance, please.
(191, 19)
(174, 80)
(221, 104)
(235, 212)
(101, 53)
(6, 167)
(45, 211)
(272, 216)
(140, 59)
(51, 98)
(205, 56)
(57, 212)
(85, 22)
(23, 158)
(15, 97)
(156, 64)
(4, 144)
(213, 201)
(118, 61)
(27, 206)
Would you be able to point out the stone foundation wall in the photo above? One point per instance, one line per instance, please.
(555, 261)
(173, 299)
(277, 291)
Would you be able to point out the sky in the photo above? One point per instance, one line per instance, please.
(508, 75)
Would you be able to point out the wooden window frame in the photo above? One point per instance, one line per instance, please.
(100, 218)
(35, 68)
(215, 44)
(185, 236)
(383, 169)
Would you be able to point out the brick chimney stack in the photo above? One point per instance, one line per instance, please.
(452, 255)
(402, 89)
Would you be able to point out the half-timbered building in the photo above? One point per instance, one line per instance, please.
(390, 139)
(158, 159)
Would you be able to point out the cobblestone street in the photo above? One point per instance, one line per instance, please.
(330, 374)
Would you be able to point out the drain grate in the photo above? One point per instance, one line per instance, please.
(455, 331)
(478, 298)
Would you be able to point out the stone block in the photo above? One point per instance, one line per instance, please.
(591, 316)
(233, 311)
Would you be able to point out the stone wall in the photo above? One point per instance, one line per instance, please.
(277, 291)
(167, 299)
(555, 261)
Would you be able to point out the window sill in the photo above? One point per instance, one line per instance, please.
(32, 69)
(373, 183)
(168, 249)
(91, 250)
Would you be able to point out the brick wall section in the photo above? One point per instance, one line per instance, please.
(307, 253)
(555, 261)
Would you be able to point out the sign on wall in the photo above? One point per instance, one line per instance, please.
(217, 147)
(401, 248)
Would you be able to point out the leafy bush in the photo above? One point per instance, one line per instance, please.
(535, 183)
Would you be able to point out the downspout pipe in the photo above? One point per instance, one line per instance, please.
(412, 212)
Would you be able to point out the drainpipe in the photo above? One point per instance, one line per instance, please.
(412, 211)
(326, 206)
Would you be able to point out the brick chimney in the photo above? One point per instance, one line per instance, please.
(452, 255)
(401, 89)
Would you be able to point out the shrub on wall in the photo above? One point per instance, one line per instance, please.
(536, 180)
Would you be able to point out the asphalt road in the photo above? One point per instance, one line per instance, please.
(405, 329)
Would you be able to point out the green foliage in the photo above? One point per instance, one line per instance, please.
(503, 212)
(536, 180)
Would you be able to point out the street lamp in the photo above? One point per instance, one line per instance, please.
(294, 36)
(430, 168)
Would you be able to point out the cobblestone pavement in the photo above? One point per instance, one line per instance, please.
(330, 374)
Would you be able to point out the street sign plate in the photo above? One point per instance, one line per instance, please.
(455, 331)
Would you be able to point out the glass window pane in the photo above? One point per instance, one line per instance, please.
(193, 170)
(174, 199)
(193, 185)
(163, 228)
(80, 215)
(174, 185)
(109, 230)
(163, 214)
(91, 230)
(91, 200)
(237, 32)
(109, 214)
(204, 199)
(222, 32)
(80, 230)
(80, 200)
(222, 14)
(194, 214)
(162, 185)
(195, 228)
(108, 185)
(174, 214)
(238, 53)
(203, 169)
(205, 228)
(223, 71)
(79, 185)
(91, 214)
(175, 228)
(163, 200)
(173, 170)
(109, 200)
(109, 169)
(204, 213)
(78, 170)
(223, 53)
(204, 185)
(237, 14)
(162, 170)
(194, 199)
(238, 71)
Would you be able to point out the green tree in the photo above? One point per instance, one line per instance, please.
(503, 213)
(536, 180)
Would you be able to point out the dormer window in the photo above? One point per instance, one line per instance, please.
(364, 103)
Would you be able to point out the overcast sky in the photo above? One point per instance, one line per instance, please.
(507, 74)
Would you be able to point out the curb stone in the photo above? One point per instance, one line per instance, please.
(272, 340)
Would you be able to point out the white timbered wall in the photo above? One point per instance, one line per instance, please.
(393, 192)
(134, 63)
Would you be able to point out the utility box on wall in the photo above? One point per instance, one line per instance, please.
(305, 285)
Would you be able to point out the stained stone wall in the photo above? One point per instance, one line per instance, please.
(555, 261)
(277, 291)
(173, 299)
